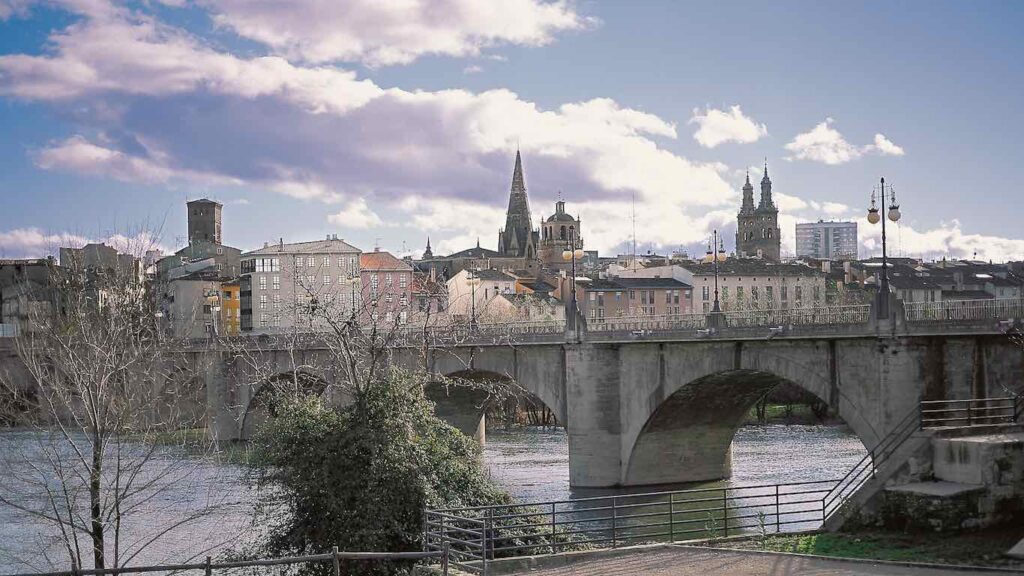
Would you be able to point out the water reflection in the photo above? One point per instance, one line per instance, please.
(533, 463)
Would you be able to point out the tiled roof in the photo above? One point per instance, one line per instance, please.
(313, 247)
(382, 261)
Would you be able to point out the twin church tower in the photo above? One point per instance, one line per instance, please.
(757, 228)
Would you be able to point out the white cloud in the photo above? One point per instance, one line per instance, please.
(825, 144)
(472, 69)
(885, 147)
(946, 240)
(356, 215)
(720, 126)
(34, 242)
(385, 33)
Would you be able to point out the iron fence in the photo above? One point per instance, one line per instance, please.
(658, 322)
(477, 535)
(971, 412)
(1000, 309)
(818, 315)
(335, 557)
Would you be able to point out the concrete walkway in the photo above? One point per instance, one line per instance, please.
(683, 561)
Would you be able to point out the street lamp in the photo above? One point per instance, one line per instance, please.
(473, 279)
(353, 281)
(874, 217)
(571, 254)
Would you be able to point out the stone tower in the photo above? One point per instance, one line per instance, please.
(518, 238)
(557, 232)
(757, 229)
(204, 221)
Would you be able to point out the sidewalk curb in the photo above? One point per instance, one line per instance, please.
(930, 565)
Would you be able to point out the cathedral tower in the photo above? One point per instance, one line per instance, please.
(757, 229)
(518, 238)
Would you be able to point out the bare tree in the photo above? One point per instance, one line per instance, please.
(99, 392)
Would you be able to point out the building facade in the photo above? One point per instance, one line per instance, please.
(757, 228)
(387, 285)
(827, 240)
(292, 286)
(748, 284)
(602, 299)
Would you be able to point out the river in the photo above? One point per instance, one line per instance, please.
(531, 463)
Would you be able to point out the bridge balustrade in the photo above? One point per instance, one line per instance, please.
(1002, 309)
(654, 322)
(818, 315)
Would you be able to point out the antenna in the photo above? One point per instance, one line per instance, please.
(634, 231)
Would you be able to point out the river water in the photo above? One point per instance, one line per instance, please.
(531, 463)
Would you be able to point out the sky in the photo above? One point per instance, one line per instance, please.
(390, 122)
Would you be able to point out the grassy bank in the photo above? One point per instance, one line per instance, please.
(981, 548)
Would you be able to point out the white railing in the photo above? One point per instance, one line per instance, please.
(819, 315)
(660, 322)
(964, 310)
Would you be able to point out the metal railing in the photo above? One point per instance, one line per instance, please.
(819, 315)
(477, 535)
(964, 310)
(658, 322)
(866, 468)
(335, 557)
(972, 412)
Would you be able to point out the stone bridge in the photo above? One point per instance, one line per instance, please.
(649, 401)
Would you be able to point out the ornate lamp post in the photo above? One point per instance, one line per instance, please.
(353, 281)
(473, 279)
(874, 217)
(571, 254)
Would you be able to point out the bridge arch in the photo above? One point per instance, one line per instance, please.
(462, 398)
(681, 430)
(265, 395)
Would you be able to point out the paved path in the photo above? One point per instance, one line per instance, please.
(697, 562)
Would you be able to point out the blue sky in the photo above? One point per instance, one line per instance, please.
(395, 124)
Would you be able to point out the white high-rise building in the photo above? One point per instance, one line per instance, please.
(827, 240)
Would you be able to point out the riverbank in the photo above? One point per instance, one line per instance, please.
(979, 548)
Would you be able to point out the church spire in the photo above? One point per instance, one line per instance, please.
(517, 238)
(766, 191)
(428, 253)
(518, 182)
(748, 197)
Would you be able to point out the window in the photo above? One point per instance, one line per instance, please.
(327, 261)
(404, 300)
(327, 279)
(263, 301)
(753, 294)
(668, 296)
(387, 279)
(310, 281)
(816, 291)
(783, 293)
(263, 320)
(600, 299)
(403, 281)
(277, 301)
(706, 293)
(341, 262)
(725, 293)
(798, 294)
(277, 282)
(227, 295)
(768, 294)
(675, 296)
(632, 294)
(592, 296)
(275, 265)
(311, 261)
(207, 309)
(739, 294)
(402, 317)
(298, 262)
(263, 282)
(618, 296)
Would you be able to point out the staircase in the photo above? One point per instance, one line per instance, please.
(947, 462)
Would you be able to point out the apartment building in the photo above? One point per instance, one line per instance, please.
(387, 285)
(748, 284)
(599, 299)
(292, 286)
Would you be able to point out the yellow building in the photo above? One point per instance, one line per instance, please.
(230, 308)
